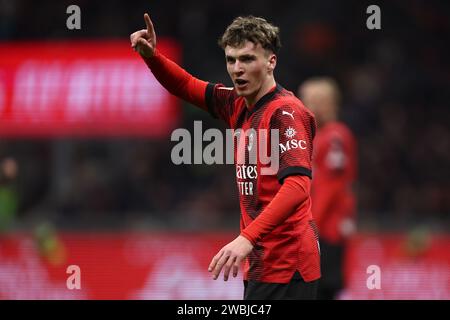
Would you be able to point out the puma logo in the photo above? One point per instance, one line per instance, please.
(289, 114)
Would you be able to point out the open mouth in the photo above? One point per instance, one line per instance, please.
(240, 82)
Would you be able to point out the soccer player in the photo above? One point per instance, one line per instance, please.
(278, 241)
(334, 163)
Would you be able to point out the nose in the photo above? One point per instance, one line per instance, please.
(237, 68)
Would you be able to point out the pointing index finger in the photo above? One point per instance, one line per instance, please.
(148, 23)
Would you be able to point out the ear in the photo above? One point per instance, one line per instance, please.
(271, 62)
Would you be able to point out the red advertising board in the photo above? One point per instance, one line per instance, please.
(409, 266)
(82, 88)
(150, 266)
(173, 266)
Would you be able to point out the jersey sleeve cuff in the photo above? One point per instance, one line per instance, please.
(149, 60)
(290, 171)
(248, 237)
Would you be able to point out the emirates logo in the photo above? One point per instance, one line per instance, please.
(290, 133)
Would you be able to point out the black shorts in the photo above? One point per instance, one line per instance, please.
(331, 258)
(296, 289)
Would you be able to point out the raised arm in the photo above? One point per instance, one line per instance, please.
(171, 76)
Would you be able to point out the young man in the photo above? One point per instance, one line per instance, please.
(334, 165)
(278, 239)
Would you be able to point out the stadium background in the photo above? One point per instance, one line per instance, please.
(104, 194)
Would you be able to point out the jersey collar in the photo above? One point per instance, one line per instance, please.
(269, 96)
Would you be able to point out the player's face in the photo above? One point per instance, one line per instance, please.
(250, 68)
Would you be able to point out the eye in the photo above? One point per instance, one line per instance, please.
(247, 58)
(230, 60)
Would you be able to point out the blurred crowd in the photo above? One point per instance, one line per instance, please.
(395, 84)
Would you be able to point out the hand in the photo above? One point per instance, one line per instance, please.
(347, 227)
(144, 41)
(230, 257)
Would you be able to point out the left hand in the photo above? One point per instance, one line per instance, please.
(347, 227)
(230, 256)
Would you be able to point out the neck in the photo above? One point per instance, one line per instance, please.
(268, 85)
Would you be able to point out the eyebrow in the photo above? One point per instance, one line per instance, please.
(242, 57)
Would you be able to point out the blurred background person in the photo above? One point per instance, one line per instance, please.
(335, 170)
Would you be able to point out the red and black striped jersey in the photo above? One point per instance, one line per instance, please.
(293, 244)
(335, 167)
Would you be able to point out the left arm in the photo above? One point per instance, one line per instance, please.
(291, 195)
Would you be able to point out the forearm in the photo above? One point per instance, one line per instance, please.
(291, 195)
(176, 80)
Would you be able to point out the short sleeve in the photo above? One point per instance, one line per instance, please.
(220, 101)
(296, 128)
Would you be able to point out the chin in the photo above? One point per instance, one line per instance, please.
(240, 93)
(243, 93)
